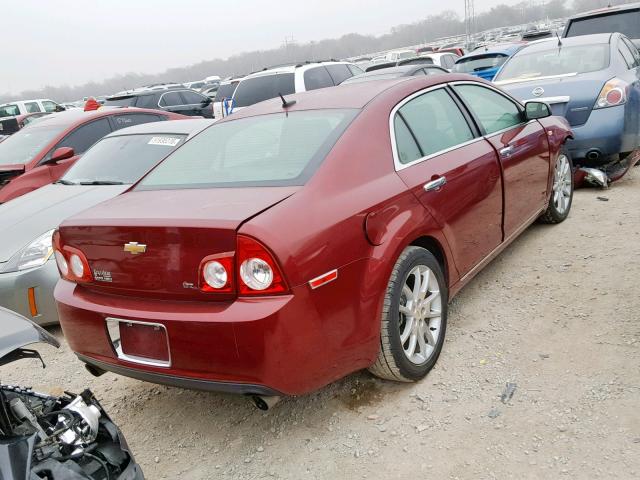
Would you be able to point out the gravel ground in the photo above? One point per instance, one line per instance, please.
(557, 314)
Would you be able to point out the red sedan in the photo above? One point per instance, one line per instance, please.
(303, 239)
(36, 156)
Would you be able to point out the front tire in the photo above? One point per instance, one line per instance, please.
(414, 317)
(561, 191)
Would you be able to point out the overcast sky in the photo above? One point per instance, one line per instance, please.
(56, 42)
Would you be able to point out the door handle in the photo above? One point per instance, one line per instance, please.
(435, 184)
(506, 151)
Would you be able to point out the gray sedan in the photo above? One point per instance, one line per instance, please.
(28, 272)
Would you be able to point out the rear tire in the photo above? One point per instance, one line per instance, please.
(414, 317)
(561, 191)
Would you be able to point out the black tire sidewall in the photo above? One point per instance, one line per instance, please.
(407, 368)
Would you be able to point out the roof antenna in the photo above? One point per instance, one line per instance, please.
(286, 103)
(559, 41)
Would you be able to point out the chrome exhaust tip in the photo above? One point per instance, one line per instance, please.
(263, 402)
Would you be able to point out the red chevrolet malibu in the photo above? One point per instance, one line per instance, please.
(305, 238)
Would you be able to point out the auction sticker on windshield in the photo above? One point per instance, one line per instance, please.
(165, 141)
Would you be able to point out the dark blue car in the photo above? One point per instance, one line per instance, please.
(591, 80)
(486, 61)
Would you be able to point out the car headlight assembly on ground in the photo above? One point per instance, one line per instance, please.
(35, 254)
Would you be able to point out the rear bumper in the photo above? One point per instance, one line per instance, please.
(14, 288)
(288, 344)
(607, 131)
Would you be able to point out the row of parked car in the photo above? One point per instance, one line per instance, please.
(221, 254)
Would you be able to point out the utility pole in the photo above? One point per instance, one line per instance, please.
(469, 21)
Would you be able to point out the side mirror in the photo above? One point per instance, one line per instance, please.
(206, 102)
(535, 110)
(62, 153)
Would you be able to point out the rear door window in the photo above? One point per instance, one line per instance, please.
(264, 87)
(9, 110)
(434, 122)
(85, 135)
(170, 99)
(192, 98)
(32, 107)
(318, 77)
(147, 101)
(339, 73)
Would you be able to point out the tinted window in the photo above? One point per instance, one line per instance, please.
(435, 121)
(479, 63)
(123, 159)
(275, 149)
(317, 78)
(225, 91)
(120, 102)
(32, 107)
(556, 61)
(257, 89)
(9, 111)
(626, 54)
(85, 136)
(130, 119)
(170, 99)
(147, 101)
(25, 144)
(49, 106)
(418, 61)
(627, 23)
(493, 110)
(192, 98)
(339, 73)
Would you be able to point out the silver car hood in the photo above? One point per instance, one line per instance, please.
(18, 332)
(25, 218)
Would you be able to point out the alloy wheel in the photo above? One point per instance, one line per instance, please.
(562, 184)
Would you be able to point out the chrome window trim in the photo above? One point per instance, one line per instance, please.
(394, 147)
(112, 322)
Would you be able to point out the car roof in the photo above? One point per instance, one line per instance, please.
(188, 127)
(289, 68)
(70, 117)
(552, 43)
(606, 10)
(349, 96)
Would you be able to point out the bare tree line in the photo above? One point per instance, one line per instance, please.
(444, 24)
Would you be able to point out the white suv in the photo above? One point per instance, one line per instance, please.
(286, 80)
(23, 107)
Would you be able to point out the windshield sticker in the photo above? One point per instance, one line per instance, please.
(165, 141)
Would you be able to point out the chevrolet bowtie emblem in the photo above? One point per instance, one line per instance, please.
(134, 248)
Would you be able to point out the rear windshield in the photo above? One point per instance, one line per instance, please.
(123, 159)
(121, 102)
(477, 64)
(225, 91)
(558, 61)
(279, 149)
(257, 89)
(9, 111)
(627, 23)
(23, 146)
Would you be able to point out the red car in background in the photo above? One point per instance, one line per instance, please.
(40, 154)
(303, 239)
(10, 125)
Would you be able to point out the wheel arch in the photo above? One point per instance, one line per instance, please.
(433, 245)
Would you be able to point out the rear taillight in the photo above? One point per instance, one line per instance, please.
(258, 272)
(613, 93)
(72, 263)
(216, 273)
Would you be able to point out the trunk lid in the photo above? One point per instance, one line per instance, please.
(178, 229)
(572, 97)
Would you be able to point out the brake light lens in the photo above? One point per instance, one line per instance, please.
(613, 93)
(216, 273)
(259, 272)
(72, 263)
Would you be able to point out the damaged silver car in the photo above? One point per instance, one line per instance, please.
(54, 438)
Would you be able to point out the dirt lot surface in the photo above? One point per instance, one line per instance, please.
(558, 314)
